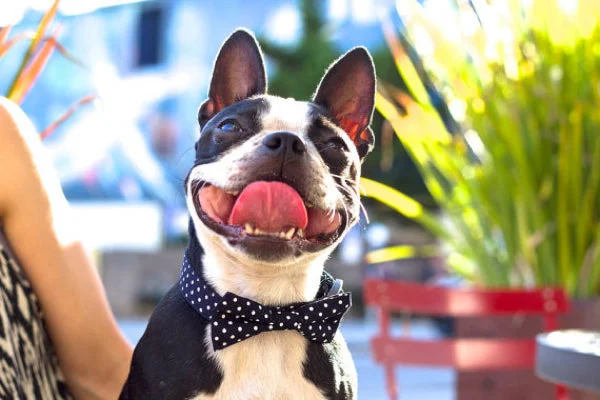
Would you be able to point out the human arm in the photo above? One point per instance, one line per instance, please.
(92, 352)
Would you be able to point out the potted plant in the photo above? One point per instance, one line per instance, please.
(518, 186)
(39, 51)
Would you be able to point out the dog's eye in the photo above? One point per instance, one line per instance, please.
(336, 143)
(230, 126)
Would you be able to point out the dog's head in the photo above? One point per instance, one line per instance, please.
(275, 179)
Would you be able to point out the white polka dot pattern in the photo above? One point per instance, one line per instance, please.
(235, 318)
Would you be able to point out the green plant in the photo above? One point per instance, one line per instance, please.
(34, 60)
(519, 186)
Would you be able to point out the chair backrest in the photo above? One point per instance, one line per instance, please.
(433, 300)
(462, 354)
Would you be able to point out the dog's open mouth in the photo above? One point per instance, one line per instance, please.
(264, 209)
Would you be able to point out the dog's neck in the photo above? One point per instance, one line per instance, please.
(265, 283)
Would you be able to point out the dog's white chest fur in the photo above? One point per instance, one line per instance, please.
(268, 366)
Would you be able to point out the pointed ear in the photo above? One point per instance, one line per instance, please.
(239, 73)
(347, 91)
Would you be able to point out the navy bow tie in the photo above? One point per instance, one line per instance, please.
(234, 318)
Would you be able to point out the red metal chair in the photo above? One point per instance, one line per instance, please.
(461, 354)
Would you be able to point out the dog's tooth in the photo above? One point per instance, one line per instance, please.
(259, 232)
(249, 228)
(290, 233)
(300, 232)
(233, 192)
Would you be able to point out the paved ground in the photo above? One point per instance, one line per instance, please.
(415, 383)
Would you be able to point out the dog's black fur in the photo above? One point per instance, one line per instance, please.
(174, 362)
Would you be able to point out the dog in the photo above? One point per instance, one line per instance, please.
(273, 190)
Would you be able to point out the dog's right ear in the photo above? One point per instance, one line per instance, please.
(239, 73)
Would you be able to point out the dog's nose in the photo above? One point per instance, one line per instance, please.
(284, 143)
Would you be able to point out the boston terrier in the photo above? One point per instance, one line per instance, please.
(273, 190)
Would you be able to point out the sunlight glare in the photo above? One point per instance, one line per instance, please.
(284, 24)
(569, 7)
(11, 12)
(338, 10)
(364, 11)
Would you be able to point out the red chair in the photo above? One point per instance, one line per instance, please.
(461, 354)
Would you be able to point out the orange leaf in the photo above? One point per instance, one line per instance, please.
(64, 52)
(74, 107)
(25, 80)
(44, 23)
(5, 46)
(404, 64)
(4, 33)
(389, 33)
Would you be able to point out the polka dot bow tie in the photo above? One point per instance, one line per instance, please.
(234, 318)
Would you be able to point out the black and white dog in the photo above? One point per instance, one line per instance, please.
(273, 190)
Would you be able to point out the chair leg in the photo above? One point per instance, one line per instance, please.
(390, 382)
(562, 393)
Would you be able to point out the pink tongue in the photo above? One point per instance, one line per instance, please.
(270, 207)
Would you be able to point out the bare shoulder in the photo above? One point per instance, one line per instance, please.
(25, 168)
(18, 139)
(15, 126)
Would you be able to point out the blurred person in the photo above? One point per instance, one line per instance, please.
(58, 337)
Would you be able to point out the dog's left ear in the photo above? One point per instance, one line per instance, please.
(238, 73)
(347, 91)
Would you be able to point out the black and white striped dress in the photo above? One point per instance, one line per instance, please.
(28, 365)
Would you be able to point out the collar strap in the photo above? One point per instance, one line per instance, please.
(234, 318)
